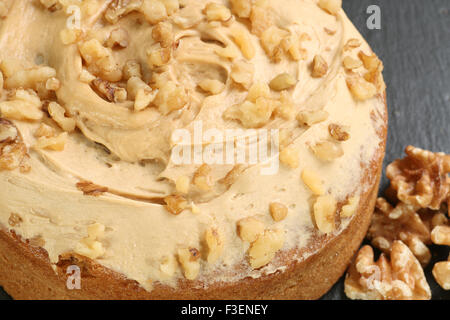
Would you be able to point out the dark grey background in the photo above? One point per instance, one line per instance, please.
(414, 44)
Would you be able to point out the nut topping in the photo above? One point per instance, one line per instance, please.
(278, 211)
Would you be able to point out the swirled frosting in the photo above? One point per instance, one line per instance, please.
(126, 150)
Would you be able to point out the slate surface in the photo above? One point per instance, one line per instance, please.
(414, 43)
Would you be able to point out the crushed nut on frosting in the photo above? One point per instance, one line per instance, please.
(91, 246)
(290, 157)
(55, 143)
(175, 204)
(23, 105)
(327, 151)
(401, 278)
(338, 132)
(202, 178)
(311, 117)
(241, 8)
(57, 112)
(217, 12)
(282, 82)
(263, 249)
(215, 244)
(242, 73)
(189, 260)
(325, 213)
(242, 38)
(250, 228)
(278, 211)
(15, 220)
(350, 208)
(313, 181)
(319, 67)
(13, 151)
(360, 88)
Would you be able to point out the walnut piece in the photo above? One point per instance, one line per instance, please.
(214, 242)
(241, 8)
(327, 151)
(175, 204)
(311, 117)
(250, 228)
(188, 258)
(13, 151)
(350, 208)
(290, 157)
(91, 246)
(217, 12)
(14, 220)
(242, 38)
(23, 105)
(282, 82)
(401, 278)
(338, 132)
(319, 67)
(360, 88)
(278, 211)
(400, 223)
(324, 213)
(312, 180)
(170, 97)
(441, 272)
(212, 86)
(263, 250)
(421, 178)
(57, 112)
(271, 42)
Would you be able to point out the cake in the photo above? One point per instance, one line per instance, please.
(184, 149)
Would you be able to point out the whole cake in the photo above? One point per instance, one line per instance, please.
(184, 149)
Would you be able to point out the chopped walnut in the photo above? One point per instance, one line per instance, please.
(52, 84)
(215, 245)
(212, 86)
(202, 178)
(292, 45)
(170, 97)
(142, 94)
(118, 38)
(24, 105)
(242, 38)
(132, 68)
(327, 151)
(175, 204)
(110, 91)
(441, 272)
(421, 178)
(188, 258)
(350, 208)
(232, 176)
(58, 114)
(264, 248)
(14, 220)
(319, 67)
(163, 33)
(400, 223)
(360, 88)
(286, 109)
(338, 132)
(253, 114)
(100, 60)
(325, 213)
(90, 189)
(258, 90)
(154, 11)
(56, 143)
(278, 211)
(313, 181)
(282, 82)
(242, 73)
(13, 151)
(441, 235)
(217, 12)
(250, 228)
(271, 42)
(241, 8)
(352, 44)
(70, 36)
(85, 76)
(44, 131)
(182, 184)
(331, 6)
(310, 117)
(90, 246)
(351, 63)
(159, 57)
(401, 278)
(29, 78)
(290, 157)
